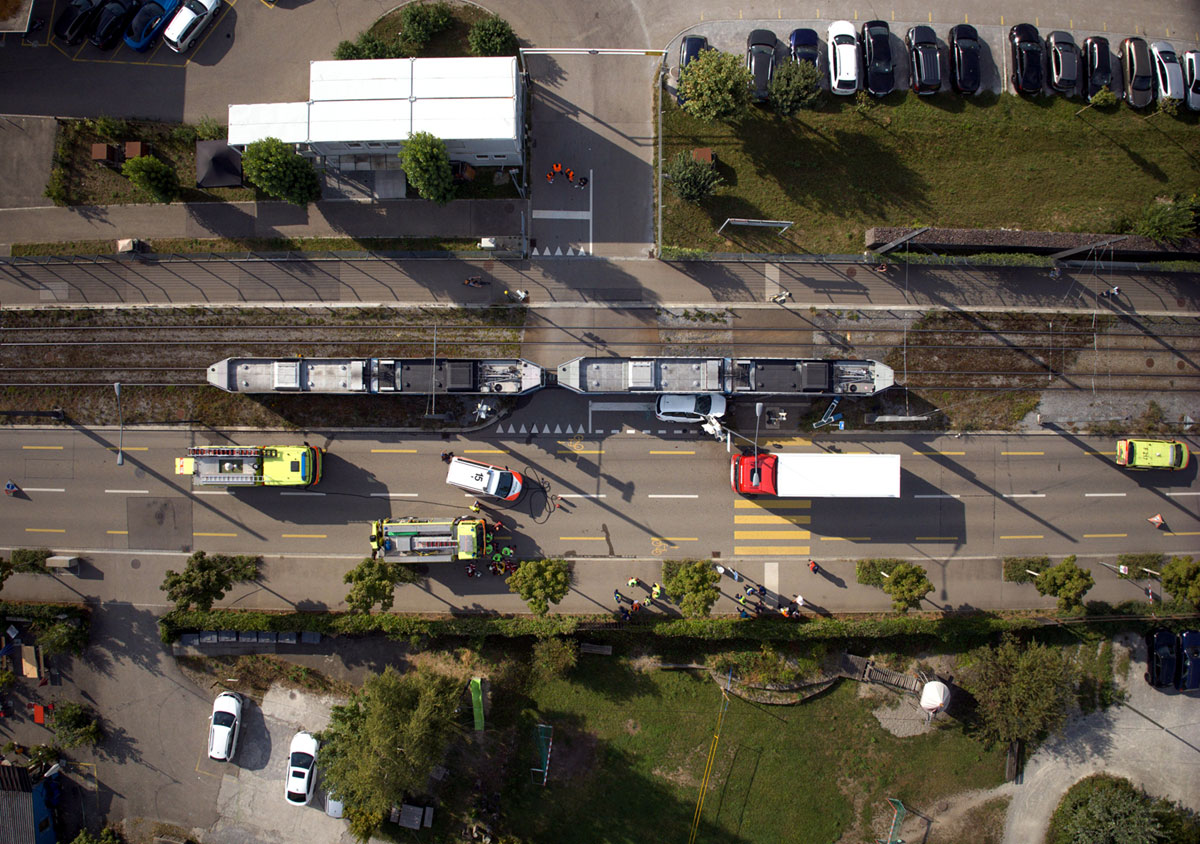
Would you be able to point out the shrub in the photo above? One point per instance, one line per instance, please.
(1103, 809)
(1165, 220)
(419, 22)
(554, 657)
(7, 679)
(1181, 577)
(796, 85)
(58, 187)
(278, 170)
(74, 724)
(209, 129)
(155, 177)
(693, 585)
(1136, 562)
(492, 36)
(692, 180)
(61, 637)
(541, 583)
(867, 572)
(31, 560)
(369, 46)
(184, 135)
(427, 167)
(1067, 582)
(1016, 569)
(715, 86)
(1104, 98)
(908, 585)
(108, 128)
(863, 103)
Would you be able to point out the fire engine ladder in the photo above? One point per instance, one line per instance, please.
(231, 480)
(224, 451)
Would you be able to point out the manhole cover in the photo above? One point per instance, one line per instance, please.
(135, 563)
(1179, 364)
(1149, 363)
(851, 271)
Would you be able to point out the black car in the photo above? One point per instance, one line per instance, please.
(924, 59)
(760, 61)
(965, 73)
(1162, 658)
(804, 46)
(691, 47)
(114, 17)
(1027, 58)
(878, 66)
(1063, 58)
(1097, 67)
(77, 20)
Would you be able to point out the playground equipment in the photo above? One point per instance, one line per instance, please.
(894, 832)
(544, 735)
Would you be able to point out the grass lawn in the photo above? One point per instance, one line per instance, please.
(630, 749)
(983, 162)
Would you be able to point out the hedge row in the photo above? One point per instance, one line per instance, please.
(45, 613)
(867, 572)
(1016, 569)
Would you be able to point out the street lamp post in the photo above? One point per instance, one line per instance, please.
(756, 473)
(121, 424)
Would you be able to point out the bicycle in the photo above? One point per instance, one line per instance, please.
(476, 281)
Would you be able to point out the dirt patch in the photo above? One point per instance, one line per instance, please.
(975, 816)
(632, 727)
(255, 674)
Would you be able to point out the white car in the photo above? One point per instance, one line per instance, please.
(1167, 71)
(693, 407)
(1191, 78)
(224, 725)
(333, 805)
(843, 58)
(301, 777)
(193, 18)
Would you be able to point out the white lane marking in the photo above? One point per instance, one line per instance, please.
(1183, 493)
(128, 491)
(942, 495)
(42, 489)
(212, 492)
(616, 430)
(1104, 495)
(550, 214)
(302, 493)
(1025, 495)
(591, 204)
(582, 495)
(770, 579)
(672, 496)
(662, 430)
(393, 495)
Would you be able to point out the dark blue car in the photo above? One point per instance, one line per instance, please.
(1162, 658)
(1189, 672)
(804, 46)
(149, 22)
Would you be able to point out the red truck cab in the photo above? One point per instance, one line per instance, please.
(752, 474)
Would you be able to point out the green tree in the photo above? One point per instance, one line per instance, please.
(427, 167)
(1104, 98)
(278, 170)
(908, 585)
(1067, 582)
(541, 583)
(206, 579)
(31, 560)
(1181, 577)
(157, 178)
(369, 46)
(419, 22)
(385, 742)
(1103, 809)
(66, 636)
(492, 36)
(692, 180)
(692, 583)
(1022, 691)
(796, 85)
(108, 835)
(1166, 220)
(715, 86)
(75, 724)
(554, 657)
(374, 582)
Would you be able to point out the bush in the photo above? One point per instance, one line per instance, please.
(492, 36)
(108, 128)
(280, 171)
(554, 657)
(58, 187)
(62, 637)
(1165, 220)
(1067, 582)
(31, 560)
(1104, 98)
(1181, 577)
(1016, 569)
(184, 135)
(155, 177)
(692, 180)
(369, 46)
(75, 725)
(427, 167)
(907, 585)
(419, 22)
(796, 85)
(1136, 562)
(541, 583)
(108, 835)
(1103, 809)
(209, 129)
(867, 572)
(693, 585)
(715, 86)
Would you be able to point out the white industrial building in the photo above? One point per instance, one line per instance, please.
(360, 113)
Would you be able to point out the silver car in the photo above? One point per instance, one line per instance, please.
(1167, 72)
(189, 23)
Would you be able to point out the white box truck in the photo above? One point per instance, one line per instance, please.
(816, 475)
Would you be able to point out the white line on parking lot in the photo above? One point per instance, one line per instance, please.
(1169, 493)
(943, 495)
(393, 495)
(42, 489)
(128, 491)
(1104, 495)
(1025, 495)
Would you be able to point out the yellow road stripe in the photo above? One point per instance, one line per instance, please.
(672, 452)
(198, 533)
(772, 520)
(781, 504)
(304, 536)
(771, 551)
(573, 451)
(1106, 453)
(1024, 536)
(845, 539)
(45, 530)
(1182, 532)
(117, 532)
(486, 451)
(393, 451)
(771, 534)
(130, 448)
(942, 453)
(1022, 454)
(936, 538)
(677, 538)
(581, 538)
(1104, 535)
(42, 447)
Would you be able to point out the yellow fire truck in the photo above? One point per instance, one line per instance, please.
(412, 540)
(240, 465)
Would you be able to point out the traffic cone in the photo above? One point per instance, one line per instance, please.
(1156, 520)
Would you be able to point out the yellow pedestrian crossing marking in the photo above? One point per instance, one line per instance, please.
(744, 504)
(771, 534)
(771, 551)
(771, 519)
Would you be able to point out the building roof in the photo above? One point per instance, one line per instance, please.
(16, 806)
(286, 121)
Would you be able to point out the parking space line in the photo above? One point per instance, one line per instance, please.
(1022, 454)
(671, 496)
(41, 489)
(939, 495)
(117, 532)
(127, 491)
(393, 495)
(1105, 535)
(485, 451)
(1023, 536)
(1104, 495)
(393, 451)
(198, 533)
(1182, 532)
(45, 530)
(939, 453)
(581, 538)
(1025, 495)
(42, 447)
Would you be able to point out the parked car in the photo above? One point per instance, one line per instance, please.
(965, 73)
(1063, 57)
(334, 807)
(879, 68)
(1191, 79)
(1152, 454)
(225, 724)
(189, 23)
(843, 58)
(76, 20)
(114, 18)
(689, 48)
(692, 407)
(1097, 67)
(1027, 58)
(301, 776)
(149, 22)
(1189, 656)
(1136, 70)
(924, 60)
(1167, 71)
(1162, 658)
(760, 61)
(804, 46)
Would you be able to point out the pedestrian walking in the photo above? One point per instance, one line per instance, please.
(582, 183)
(655, 591)
(737, 578)
(1115, 292)
(550, 177)
(759, 608)
(570, 175)
(557, 168)
(785, 611)
(446, 455)
(813, 567)
(635, 607)
(741, 599)
(798, 600)
(624, 614)
(751, 590)
(1055, 272)
(617, 596)
(743, 614)
(1103, 294)
(475, 506)
(633, 582)
(471, 571)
